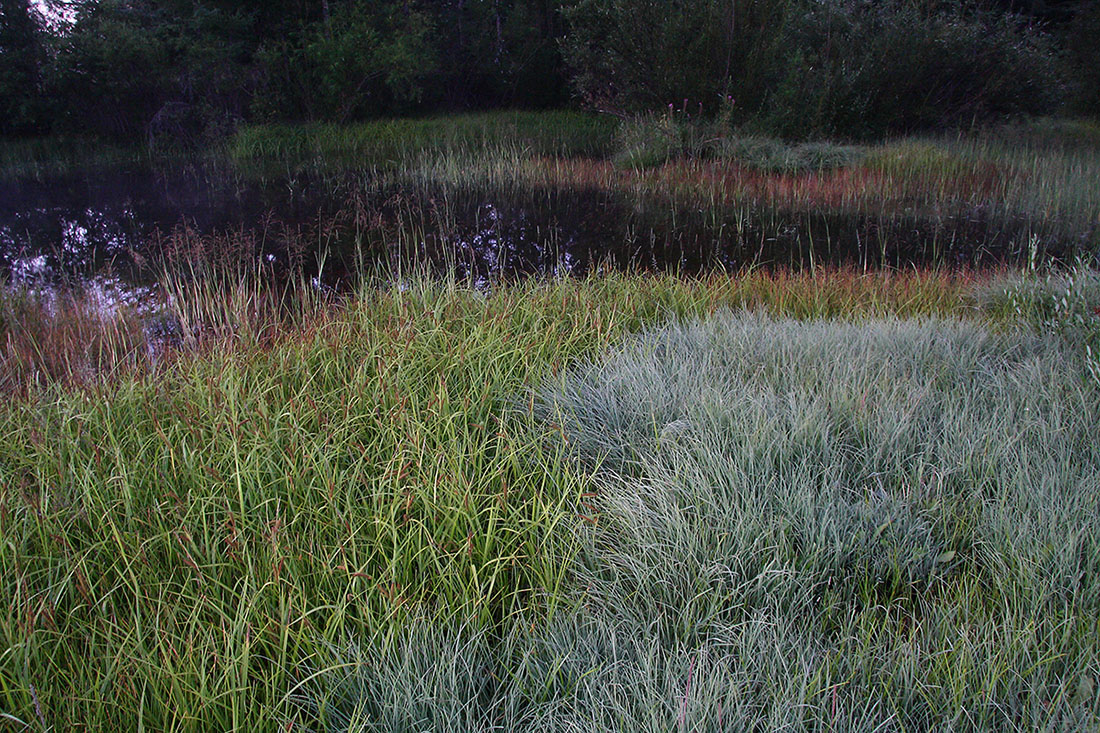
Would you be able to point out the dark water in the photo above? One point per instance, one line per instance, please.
(100, 229)
(111, 231)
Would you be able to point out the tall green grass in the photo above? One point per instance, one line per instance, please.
(389, 143)
(46, 157)
(180, 549)
(197, 545)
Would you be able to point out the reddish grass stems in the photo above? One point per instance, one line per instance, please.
(71, 341)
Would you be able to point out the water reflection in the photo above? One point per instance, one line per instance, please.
(111, 232)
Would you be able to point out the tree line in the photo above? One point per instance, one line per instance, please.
(192, 70)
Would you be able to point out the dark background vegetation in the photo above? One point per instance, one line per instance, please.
(191, 71)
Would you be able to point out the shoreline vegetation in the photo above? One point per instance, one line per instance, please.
(836, 496)
(1036, 177)
(1011, 194)
(621, 501)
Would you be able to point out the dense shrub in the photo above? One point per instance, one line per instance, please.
(630, 55)
(1085, 59)
(138, 70)
(188, 71)
(851, 68)
(20, 63)
(365, 61)
(861, 69)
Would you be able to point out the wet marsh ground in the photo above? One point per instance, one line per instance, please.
(780, 436)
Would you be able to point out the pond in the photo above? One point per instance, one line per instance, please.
(111, 232)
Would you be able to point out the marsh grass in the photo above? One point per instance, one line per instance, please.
(200, 545)
(875, 525)
(1001, 186)
(390, 143)
(825, 499)
(819, 499)
(78, 340)
(199, 537)
(917, 203)
(40, 158)
(713, 195)
(1064, 302)
(72, 337)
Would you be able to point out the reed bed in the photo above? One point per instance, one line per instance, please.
(387, 144)
(1030, 181)
(42, 158)
(72, 338)
(1053, 195)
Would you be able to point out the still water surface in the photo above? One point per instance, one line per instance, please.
(110, 231)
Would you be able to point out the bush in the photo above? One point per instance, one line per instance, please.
(863, 70)
(851, 68)
(652, 139)
(631, 56)
(1084, 60)
(1065, 303)
(367, 61)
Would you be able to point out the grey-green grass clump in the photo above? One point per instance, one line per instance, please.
(1065, 302)
(877, 525)
(771, 155)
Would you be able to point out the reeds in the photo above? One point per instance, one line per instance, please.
(80, 339)
(47, 157)
(72, 337)
(1003, 186)
(391, 143)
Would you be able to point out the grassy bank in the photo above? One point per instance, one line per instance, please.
(388, 144)
(438, 508)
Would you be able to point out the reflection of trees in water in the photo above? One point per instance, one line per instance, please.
(116, 225)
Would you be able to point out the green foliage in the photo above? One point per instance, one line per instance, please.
(147, 71)
(180, 73)
(499, 53)
(797, 68)
(364, 61)
(638, 56)
(1085, 59)
(863, 70)
(22, 56)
